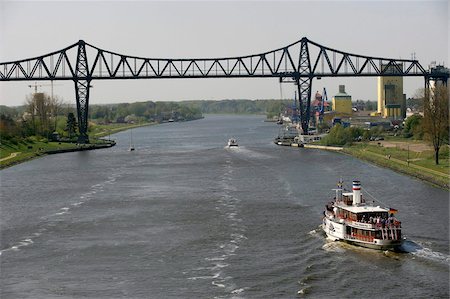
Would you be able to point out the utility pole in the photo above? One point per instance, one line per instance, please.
(408, 155)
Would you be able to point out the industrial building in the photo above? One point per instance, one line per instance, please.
(342, 102)
(391, 99)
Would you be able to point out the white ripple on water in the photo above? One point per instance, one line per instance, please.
(333, 247)
(62, 211)
(227, 207)
(221, 258)
(220, 285)
(205, 277)
(312, 232)
(427, 253)
(241, 150)
(21, 243)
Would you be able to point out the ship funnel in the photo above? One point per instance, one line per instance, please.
(356, 192)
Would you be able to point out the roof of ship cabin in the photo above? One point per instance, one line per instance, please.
(363, 209)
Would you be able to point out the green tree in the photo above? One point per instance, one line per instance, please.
(338, 136)
(8, 127)
(41, 108)
(436, 117)
(413, 127)
(71, 126)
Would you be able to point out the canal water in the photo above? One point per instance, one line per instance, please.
(185, 217)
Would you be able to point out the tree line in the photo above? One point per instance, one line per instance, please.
(41, 115)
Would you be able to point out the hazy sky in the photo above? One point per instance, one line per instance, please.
(186, 29)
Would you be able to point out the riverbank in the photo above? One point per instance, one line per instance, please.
(16, 152)
(101, 130)
(418, 164)
(13, 154)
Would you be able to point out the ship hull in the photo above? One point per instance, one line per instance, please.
(335, 231)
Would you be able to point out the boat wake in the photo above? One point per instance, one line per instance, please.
(248, 153)
(333, 246)
(419, 251)
(216, 264)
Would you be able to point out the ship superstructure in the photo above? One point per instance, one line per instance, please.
(349, 218)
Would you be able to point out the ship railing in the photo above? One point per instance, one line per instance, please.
(390, 233)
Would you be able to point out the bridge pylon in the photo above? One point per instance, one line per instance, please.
(82, 81)
(303, 81)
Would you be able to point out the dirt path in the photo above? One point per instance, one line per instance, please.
(10, 156)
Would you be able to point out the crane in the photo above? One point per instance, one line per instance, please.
(35, 85)
(322, 105)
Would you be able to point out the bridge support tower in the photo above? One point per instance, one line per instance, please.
(82, 85)
(303, 81)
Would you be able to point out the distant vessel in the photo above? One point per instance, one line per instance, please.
(286, 135)
(232, 142)
(131, 141)
(348, 218)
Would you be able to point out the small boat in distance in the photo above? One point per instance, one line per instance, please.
(350, 219)
(232, 142)
(131, 148)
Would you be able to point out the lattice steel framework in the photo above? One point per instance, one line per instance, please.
(298, 62)
(82, 81)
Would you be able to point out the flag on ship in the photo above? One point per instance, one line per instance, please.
(392, 211)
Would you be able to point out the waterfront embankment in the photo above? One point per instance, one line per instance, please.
(413, 158)
(103, 130)
(16, 152)
(418, 164)
(13, 154)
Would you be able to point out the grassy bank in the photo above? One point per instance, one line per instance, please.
(103, 130)
(419, 164)
(16, 151)
(13, 152)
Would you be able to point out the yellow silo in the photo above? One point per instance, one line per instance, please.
(342, 102)
(391, 100)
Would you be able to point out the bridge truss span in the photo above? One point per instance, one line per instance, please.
(282, 62)
(298, 62)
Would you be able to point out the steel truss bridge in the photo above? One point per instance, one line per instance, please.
(297, 63)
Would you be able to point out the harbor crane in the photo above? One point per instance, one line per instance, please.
(35, 85)
(322, 105)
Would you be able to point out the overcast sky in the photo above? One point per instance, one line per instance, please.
(185, 29)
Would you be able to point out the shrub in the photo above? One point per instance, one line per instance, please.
(338, 136)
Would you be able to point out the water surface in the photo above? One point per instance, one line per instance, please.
(185, 217)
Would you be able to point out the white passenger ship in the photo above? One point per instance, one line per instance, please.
(349, 218)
